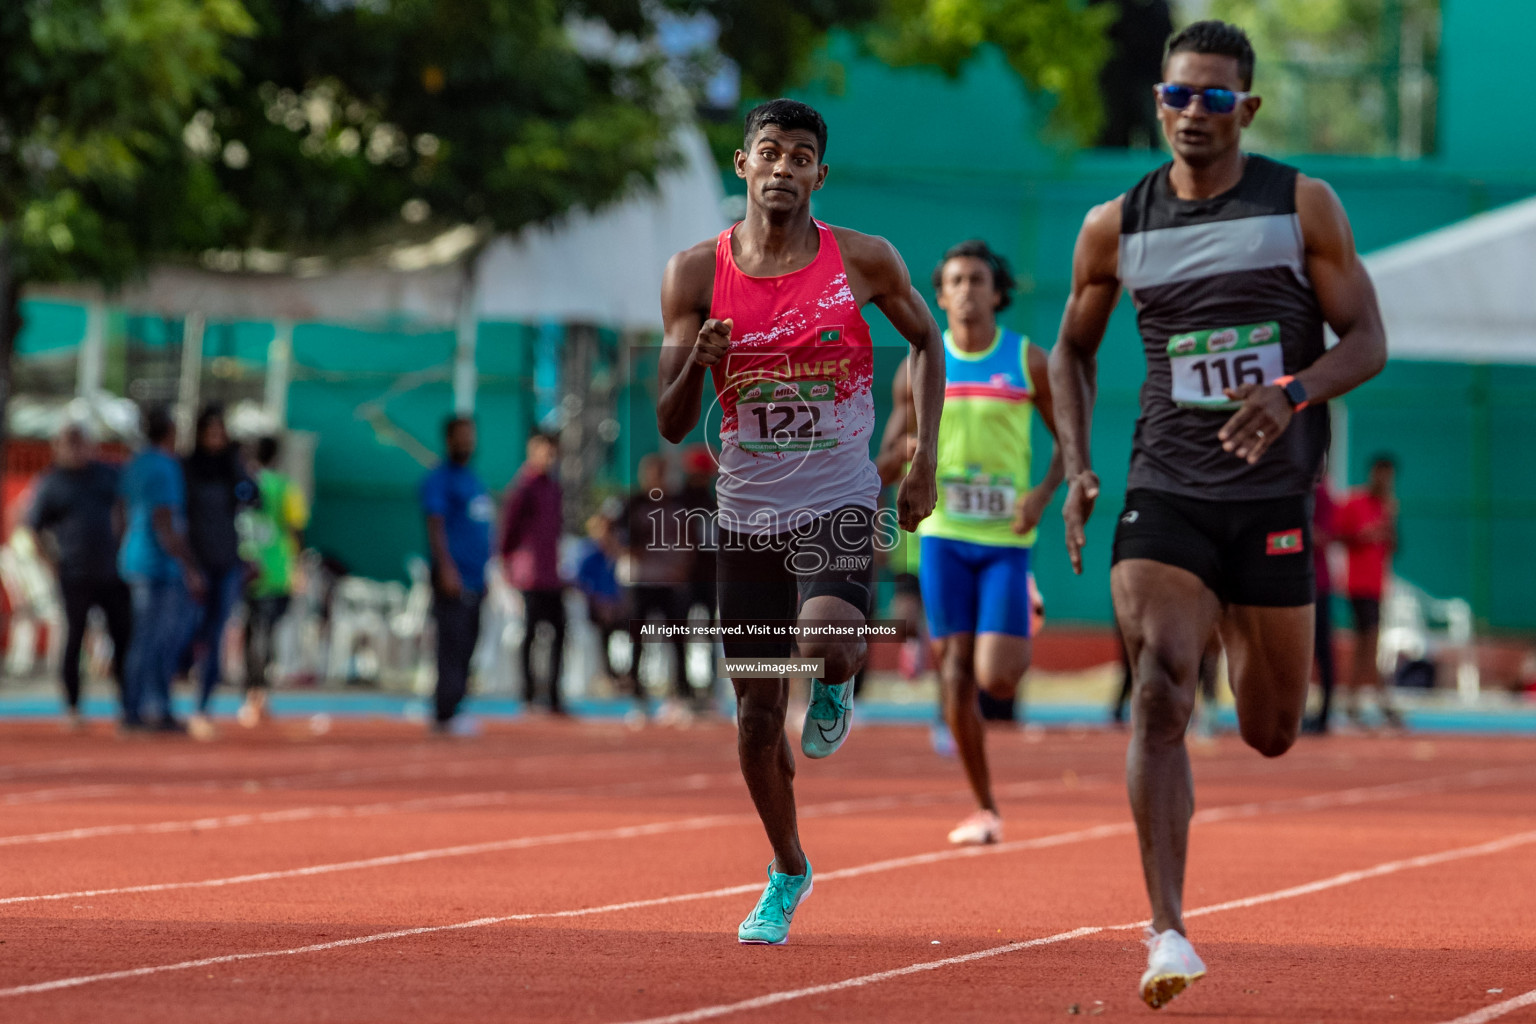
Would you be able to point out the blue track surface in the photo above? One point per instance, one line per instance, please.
(1473, 721)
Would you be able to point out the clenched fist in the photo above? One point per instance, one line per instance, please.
(713, 340)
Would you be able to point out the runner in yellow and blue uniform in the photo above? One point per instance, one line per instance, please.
(975, 548)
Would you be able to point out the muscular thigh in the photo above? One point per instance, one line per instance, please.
(1269, 658)
(1166, 615)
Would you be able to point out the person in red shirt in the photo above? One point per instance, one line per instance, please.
(1367, 525)
(1325, 514)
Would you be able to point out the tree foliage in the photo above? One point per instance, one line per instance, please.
(1055, 46)
(1343, 76)
(92, 94)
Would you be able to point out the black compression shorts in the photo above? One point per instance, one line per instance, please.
(766, 577)
(1247, 552)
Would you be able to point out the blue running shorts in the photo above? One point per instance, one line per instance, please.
(974, 588)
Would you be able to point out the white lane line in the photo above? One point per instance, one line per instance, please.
(704, 1013)
(1497, 1010)
(1320, 801)
(259, 818)
(1334, 882)
(415, 770)
(529, 842)
(390, 860)
(687, 783)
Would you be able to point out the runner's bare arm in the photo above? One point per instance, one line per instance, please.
(691, 342)
(897, 443)
(884, 280)
(1074, 363)
(1348, 300)
(1033, 502)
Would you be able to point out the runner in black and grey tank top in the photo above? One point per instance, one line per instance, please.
(1222, 298)
(1234, 263)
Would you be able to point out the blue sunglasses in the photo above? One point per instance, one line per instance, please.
(1215, 101)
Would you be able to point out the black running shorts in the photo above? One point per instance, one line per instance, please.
(767, 577)
(1247, 552)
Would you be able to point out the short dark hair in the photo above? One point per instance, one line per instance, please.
(158, 424)
(1220, 38)
(1002, 273)
(210, 412)
(453, 423)
(267, 450)
(790, 115)
(1382, 460)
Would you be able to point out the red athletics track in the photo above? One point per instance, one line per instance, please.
(581, 872)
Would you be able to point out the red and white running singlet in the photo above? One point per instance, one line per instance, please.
(797, 412)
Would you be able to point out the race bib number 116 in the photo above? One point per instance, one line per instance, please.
(1206, 363)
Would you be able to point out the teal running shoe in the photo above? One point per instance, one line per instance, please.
(829, 718)
(768, 924)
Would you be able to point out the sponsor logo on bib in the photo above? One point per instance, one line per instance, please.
(1222, 340)
(820, 390)
(785, 391)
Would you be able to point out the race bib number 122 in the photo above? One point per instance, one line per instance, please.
(1206, 363)
(785, 416)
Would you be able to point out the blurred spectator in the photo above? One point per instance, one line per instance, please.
(458, 512)
(659, 566)
(1367, 525)
(272, 533)
(76, 515)
(156, 561)
(1135, 65)
(218, 487)
(1324, 523)
(599, 586)
(529, 547)
(700, 525)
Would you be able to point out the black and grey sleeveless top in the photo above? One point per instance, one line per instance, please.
(1222, 299)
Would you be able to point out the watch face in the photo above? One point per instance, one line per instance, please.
(1296, 392)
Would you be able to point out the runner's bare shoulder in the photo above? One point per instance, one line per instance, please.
(873, 262)
(1098, 243)
(689, 280)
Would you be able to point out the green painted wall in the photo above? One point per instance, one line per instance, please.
(1485, 79)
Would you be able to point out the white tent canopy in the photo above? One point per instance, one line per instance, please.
(599, 268)
(1465, 293)
(604, 268)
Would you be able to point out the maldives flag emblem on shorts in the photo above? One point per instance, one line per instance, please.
(829, 335)
(1286, 542)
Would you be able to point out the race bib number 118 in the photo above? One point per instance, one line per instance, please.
(1206, 363)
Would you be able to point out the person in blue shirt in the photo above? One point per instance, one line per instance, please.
(598, 582)
(459, 512)
(156, 561)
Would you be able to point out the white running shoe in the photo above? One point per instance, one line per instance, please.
(1172, 966)
(979, 829)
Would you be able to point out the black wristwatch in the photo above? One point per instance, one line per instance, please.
(1295, 392)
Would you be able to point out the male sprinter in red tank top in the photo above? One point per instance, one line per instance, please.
(1234, 263)
(770, 310)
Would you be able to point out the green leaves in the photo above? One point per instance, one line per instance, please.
(96, 93)
(1056, 46)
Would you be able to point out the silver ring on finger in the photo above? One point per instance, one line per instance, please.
(1259, 434)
